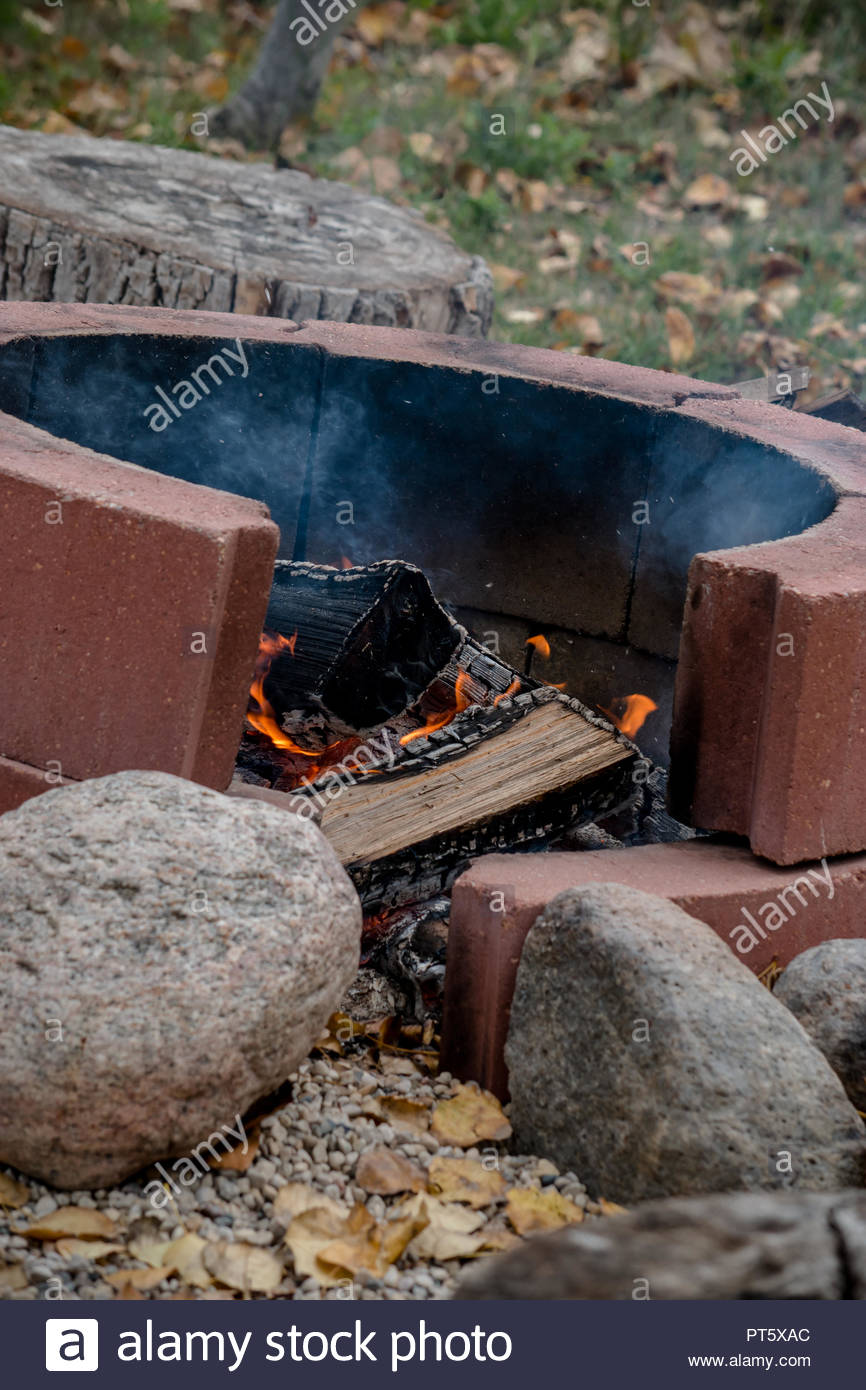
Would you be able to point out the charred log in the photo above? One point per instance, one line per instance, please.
(359, 646)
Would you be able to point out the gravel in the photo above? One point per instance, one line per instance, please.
(316, 1138)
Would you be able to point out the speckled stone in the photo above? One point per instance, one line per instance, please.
(825, 989)
(645, 1056)
(167, 956)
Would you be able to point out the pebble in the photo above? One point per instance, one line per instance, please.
(315, 1139)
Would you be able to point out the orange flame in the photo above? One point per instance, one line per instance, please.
(541, 645)
(265, 720)
(438, 721)
(346, 563)
(512, 690)
(637, 707)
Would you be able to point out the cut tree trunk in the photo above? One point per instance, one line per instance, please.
(285, 81)
(108, 221)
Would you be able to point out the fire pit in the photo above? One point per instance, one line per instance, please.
(542, 495)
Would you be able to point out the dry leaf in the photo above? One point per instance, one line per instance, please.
(523, 315)
(136, 1278)
(505, 279)
(471, 1115)
(90, 1249)
(117, 57)
(376, 23)
(150, 1252)
(248, 1268)
(128, 1293)
(236, 1161)
(310, 1232)
(411, 1116)
(497, 1237)
(681, 335)
(611, 1208)
(13, 1194)
(373, 1247)
(533, 1209)
(83, 1222)
(185, 1256)
(72, 47)
(12, 1277)
(754, 205)
(707, 191)
(386, 173)
(695, 290)
(298, 1197)
(385, 1172)
(587, 54)
(464, 1180)
(450, 1232)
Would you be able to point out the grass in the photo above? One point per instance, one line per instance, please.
(587, 159)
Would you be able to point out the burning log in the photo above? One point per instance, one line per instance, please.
(365, 644)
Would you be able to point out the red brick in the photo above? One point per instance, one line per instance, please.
(99, 610)
(711, 882)
(769, 731)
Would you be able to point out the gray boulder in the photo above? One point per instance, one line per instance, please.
(825, 989)
(168, 955)
(737, 1245)
(649, 1060)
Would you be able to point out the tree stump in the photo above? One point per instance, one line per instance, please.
(90, 220)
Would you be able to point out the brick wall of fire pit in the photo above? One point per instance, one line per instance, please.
(633, 517)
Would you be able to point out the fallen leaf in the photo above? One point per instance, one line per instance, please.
(297, 1197)
(450, 1232)
(386, 173)
(533, 1209)
(185, 1256)
(92, 100)
(611, 1208)
(754, 205)
(707, 191)
(150, 1252)
(718, 236)
(523, 315)
(13, 1194)
(694, 290)
(248, 1268)
(137, 1278)
(376, 23)
(505, 279)
(386, 1173)
(471, 177)
(236, 1161)
(90, 1249)
(586, 57)
(407, 1115)
(82, 1222)
(373, 1247)
(128, 1293)
(498, 1237)
(681, 335)
(117, 57)
(470, 1115)
(308, 1233)
(37, 21)
(12, 1277)
(778, 264)
(464, 1180)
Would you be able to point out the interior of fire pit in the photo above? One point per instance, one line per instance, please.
(532, 508)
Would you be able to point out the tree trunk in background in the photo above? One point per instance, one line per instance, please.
(285, 81)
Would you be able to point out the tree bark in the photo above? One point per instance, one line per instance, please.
(285, 81)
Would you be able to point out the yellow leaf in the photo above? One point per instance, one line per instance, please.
(373, 1248)
(12, 1277)
(13, 1194)
(531, 1209)
(308, 1233)
(83, 1222)
(681, 335)
(450, 1232)
(90, 1249)
(137, 1278)
(236, 1161)
(185, 1257)
(464, 1180)
(471, 1115)
(384, 1172)
(695, 290)
(407, 1115)
(612, 1208)
(505, 278)
(298, 1197)
(150, 1252)
(707, 191)
(248, 1268)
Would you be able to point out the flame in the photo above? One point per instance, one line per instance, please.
(270, 644)
(346, 563)
(512, 690)
(541, 645)
(438, 721)
(637, 707)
